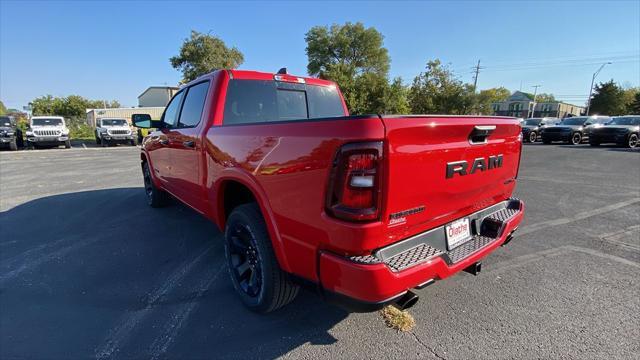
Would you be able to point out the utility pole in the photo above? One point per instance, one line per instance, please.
(475, 77)
(535, 92)
(593, 79)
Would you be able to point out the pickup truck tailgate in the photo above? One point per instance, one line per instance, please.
(442, 168)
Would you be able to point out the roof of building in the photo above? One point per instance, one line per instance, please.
(158, 87)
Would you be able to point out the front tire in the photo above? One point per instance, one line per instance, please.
(262, 286)
(156, 198)
(67, 144)
(533, 137)
(13, 145)
(98, 141)
(632, 141)
(576, 139)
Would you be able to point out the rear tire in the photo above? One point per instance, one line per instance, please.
(253, 267)
(156, 198)
(19, 139)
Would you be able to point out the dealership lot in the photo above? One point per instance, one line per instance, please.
(88, 270)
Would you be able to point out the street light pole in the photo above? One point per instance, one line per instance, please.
(593, 79)
(535, 92)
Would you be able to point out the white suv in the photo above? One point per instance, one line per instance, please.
(48, 131)
(113, 131)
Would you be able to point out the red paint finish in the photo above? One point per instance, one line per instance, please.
(287, 167)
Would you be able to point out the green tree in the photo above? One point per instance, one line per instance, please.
(354, 57)
(70, 106)
(486, 97)
(437, 91)
(634, 106)
(3, 109)
(608, 99)
(544, 97)
(203, 53)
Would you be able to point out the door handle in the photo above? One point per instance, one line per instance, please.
(164, 142)
(189, 144)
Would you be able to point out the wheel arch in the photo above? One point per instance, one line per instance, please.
(233, 190)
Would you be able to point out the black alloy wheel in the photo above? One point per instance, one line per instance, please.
(245, 261)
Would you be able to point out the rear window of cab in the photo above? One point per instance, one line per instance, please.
(263, 101)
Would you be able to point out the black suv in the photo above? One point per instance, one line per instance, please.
(10, 134)
(622, 130)
(531, 127)
(573, 130)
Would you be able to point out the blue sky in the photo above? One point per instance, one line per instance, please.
(114, 50)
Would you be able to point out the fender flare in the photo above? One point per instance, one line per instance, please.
(217, 201)
(144, 157)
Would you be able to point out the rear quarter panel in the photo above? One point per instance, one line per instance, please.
(287, 165)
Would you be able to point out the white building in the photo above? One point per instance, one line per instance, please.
(156, 96)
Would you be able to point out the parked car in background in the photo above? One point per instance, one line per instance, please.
(573, 130)
(621, 130)
(595, 122)
(111, 131)
(364, 208)
(531, 127)
(48, 131)
(10, 134)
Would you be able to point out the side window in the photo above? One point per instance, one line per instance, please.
(170, 117)
(193, 105)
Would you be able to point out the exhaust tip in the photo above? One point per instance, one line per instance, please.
(406, 301)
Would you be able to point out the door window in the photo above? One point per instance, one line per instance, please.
(170, 117)
(194, 105)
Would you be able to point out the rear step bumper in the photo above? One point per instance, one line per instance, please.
(390, 272)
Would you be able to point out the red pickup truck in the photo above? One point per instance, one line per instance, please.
(362, 208)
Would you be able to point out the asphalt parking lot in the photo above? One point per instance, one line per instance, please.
(87, 270)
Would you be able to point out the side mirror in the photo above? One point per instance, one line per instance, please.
(144, 121)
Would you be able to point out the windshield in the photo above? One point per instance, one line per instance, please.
(5, 121)
(574, 121)
(114, 122)
(532, 122)
(625, 121)
(46, 122)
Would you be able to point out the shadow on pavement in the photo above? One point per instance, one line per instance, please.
(100, 274)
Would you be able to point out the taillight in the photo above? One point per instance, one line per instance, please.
(354, 185)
